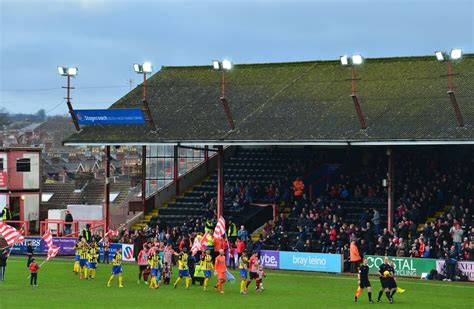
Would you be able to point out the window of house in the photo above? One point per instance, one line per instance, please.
(23, 165)
(1, 164)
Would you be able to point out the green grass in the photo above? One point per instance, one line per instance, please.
(60, 288)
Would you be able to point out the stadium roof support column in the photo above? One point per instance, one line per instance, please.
(390, 177)
(206, 158)
(144, 178)
(220, 181)
(107, 188)
(175, 169)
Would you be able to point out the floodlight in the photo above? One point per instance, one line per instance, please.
(137, 68)
(216, 64)
(147, 67)
(440, 56)
(344, 60)
(62, 71)
(357, 59)
(226, 64)
(455, 54)
(72, 71)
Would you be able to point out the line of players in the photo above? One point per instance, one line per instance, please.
(388, 281)
(87, 255)
(86, 259)
(160, 272)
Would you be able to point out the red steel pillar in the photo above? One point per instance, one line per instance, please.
(107, 187)
(390, 181)
(144, 178)
(220, 181)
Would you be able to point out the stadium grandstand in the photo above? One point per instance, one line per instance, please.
(381, 153)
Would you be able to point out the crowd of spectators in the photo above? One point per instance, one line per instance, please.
(424, 185)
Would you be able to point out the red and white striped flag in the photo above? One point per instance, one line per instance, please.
(11, 234)
(52, 252)
(197, 246)
(111, 233)
(219, 231)
(48, 238)
(204, 240)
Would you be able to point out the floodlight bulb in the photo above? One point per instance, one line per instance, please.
(147, 67)
(455, 54)
(61, 71)
(357, 59)
(216, 64)
(439, 56)
(72, 71)
(137, 68)
(226, 64)
(344, 60)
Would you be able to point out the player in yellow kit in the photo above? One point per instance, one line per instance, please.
(207, 267)
(116, 268)
(156, 267)
(83, 259)
(183, 268)
(243, 270)
(77, 248)
(93, 259)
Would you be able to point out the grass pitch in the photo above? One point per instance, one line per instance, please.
(58, 287)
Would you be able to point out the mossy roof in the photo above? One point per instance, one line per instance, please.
(403, 99)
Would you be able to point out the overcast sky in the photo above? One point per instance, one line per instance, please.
(103, 38)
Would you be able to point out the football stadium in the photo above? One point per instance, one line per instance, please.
(306, 180)
(339, 183)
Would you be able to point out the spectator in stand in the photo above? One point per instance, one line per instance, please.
(243, 234)
(298, 189)
(67, 227)
(457, 233)
(282, 222)
(376, 221)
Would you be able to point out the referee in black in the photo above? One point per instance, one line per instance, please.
(384, 281)
(392, 282)
(363, 281)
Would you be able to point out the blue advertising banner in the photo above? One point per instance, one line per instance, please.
(39, 246)
(113, 248)
(310, 261)
(270, 259)
(110, 116)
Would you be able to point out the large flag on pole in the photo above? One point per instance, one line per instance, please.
(219, 231)
(197, 246)
(111, 233)
(52, 252)
(48, 238)
(52, 249)
(11, 234)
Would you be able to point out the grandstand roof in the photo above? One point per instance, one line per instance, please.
(404, 100)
